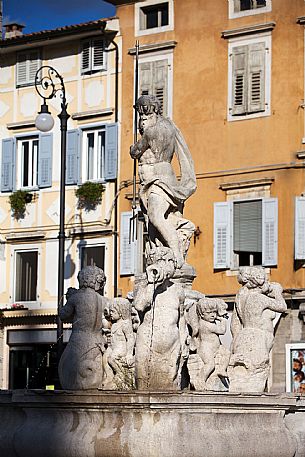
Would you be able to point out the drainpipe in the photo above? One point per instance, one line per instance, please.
(116, 118)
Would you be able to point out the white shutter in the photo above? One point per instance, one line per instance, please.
(160, 70)
(98, 54)
(239, 79)
(270, 231)
(21, 69)
(299, 229)
(127, 247)
(86, 56)
(222, 235)
(33, 65)
(146, 78)
(256, 77)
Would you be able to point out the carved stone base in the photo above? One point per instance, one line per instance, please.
(116, 424)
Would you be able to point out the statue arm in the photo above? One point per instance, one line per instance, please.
(236, 325)
(67, 312)
(276, 300)
(128, 332)
(221, 326)
(139, 147)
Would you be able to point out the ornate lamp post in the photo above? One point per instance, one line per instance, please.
(47, 83)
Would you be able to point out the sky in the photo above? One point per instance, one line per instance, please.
(39, 15)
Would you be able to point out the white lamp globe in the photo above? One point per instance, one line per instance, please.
(44, 121)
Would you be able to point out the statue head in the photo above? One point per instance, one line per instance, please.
(257, 277)
(92, 277)
(148, 104)
(209, 308)
(120, 309)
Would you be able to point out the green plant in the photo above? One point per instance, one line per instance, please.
(18, 201)
(89, 195)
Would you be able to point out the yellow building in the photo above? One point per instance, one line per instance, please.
(231, 75)
(86, 56)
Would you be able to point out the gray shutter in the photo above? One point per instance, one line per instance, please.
(247, 226)
(146, 78)
(98, 54)
(270, 231)
(222, 235)
(45, 153)
(86, 56)
(33, 65)
(127, 250)
(8, 164)
(239, 80)
(299, 229)
(160, 71)
(111, 152)
(21, 69)
(256, 77)
(72, 157)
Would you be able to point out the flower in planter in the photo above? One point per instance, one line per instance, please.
(89, 195)
(18, 201)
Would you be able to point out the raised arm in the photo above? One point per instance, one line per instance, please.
(67, 312)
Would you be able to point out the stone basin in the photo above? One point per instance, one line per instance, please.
(37, 423)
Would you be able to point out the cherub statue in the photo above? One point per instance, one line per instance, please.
(80, 366)
(256, 305)
(162, 196)
(213, 357)
(119, 354)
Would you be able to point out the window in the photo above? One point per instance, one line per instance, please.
(249, 78)
(299, 237)
(153, 80)
(26, 276)
(93, 256)
(245, 233)
(26, 162)
(27, 65)
(93, 55)
(133, 239)
(239, 8)
(94, 155)
(153, 16)
(295, 367)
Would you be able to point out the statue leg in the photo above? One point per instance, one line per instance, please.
(157, 208)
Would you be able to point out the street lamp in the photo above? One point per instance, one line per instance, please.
(47, 83)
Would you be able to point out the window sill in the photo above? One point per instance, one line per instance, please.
(29, 84)
(165, 28)
(243, 117)
(235, 272)
(253, 12)
(93, 72)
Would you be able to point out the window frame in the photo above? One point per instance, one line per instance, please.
(288, 356)
(236, 14)
(19, 162)
(15, 251)
(236, 42)
(164, 28)
(108, 260)
(28, 82)
(84, 151)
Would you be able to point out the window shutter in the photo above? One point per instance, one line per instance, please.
(299, 236)
(127, 250)
(239, 79)
(98, 54)
(111, 152)
(86, 56)
(33, 65)
(247, 226)
(45, 160)
(256, 77)
(222, 248)
(146, 78)
(21, 69)
(160, 69)
(270, 231)
(8, 164)
(72, 157)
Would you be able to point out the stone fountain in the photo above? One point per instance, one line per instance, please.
(147, 375)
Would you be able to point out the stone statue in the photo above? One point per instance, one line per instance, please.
(81, 364)
(162, 196)
(207, 367)
(256, 305)
(119, 354)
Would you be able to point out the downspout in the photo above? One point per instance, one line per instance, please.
(116, 118)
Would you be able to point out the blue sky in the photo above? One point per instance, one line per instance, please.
(45, 15)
